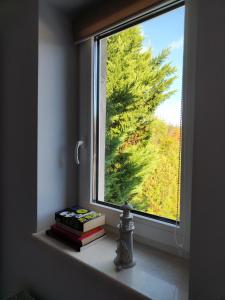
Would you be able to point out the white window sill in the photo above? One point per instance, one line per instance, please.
(153, 233)
(157, 275)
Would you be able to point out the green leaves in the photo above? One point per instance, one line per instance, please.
(137, 83)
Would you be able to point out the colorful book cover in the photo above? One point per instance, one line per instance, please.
(80, 218)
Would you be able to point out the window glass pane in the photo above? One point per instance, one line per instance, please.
(140, 107)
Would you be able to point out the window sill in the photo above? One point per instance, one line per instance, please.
(157, 275)
(153, 233)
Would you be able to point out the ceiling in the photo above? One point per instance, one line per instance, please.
(76, 6)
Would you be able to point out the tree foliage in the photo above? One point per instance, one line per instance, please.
(136, 166)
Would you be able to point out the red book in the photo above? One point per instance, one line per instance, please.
(76, 232)
(78, 240)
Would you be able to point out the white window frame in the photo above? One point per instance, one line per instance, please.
(150, 231)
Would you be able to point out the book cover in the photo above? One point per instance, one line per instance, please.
(79, 218)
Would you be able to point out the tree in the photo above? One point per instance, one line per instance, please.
(159, 193)
(137, 83)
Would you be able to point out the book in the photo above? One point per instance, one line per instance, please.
(81, 240)
(79, 218)
(72, 244)
(77, 232)
(61, 238)
(75, 241)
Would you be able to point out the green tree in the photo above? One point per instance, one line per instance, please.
(159, 193)
(137, 83)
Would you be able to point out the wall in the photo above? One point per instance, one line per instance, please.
(207, 255)
(56, 114)
(19, 33)
(26, 264)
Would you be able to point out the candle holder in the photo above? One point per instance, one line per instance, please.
(124, 251)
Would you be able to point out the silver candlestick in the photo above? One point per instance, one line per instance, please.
(124, 252)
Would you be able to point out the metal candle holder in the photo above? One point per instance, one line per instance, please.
(124, 257)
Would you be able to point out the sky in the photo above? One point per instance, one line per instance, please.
(162, 32)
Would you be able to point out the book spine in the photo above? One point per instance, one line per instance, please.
(78, 233)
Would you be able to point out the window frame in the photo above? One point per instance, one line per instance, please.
(96, 142)
(152, 231)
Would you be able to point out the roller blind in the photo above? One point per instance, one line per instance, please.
(107, 14)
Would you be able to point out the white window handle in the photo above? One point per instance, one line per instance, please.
(76, 151)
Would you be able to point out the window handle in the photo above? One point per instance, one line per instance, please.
(76, 151)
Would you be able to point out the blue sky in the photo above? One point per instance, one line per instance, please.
(162, 32)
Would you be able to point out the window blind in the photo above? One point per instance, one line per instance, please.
(108, 14)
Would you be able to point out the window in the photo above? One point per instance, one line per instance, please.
(138, 115)
(132, 115)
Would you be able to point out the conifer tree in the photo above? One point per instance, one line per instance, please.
(137, 82)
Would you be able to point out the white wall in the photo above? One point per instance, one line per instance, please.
(26, 264)
(56, 114)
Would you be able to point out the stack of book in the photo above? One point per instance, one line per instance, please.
(77, 227)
